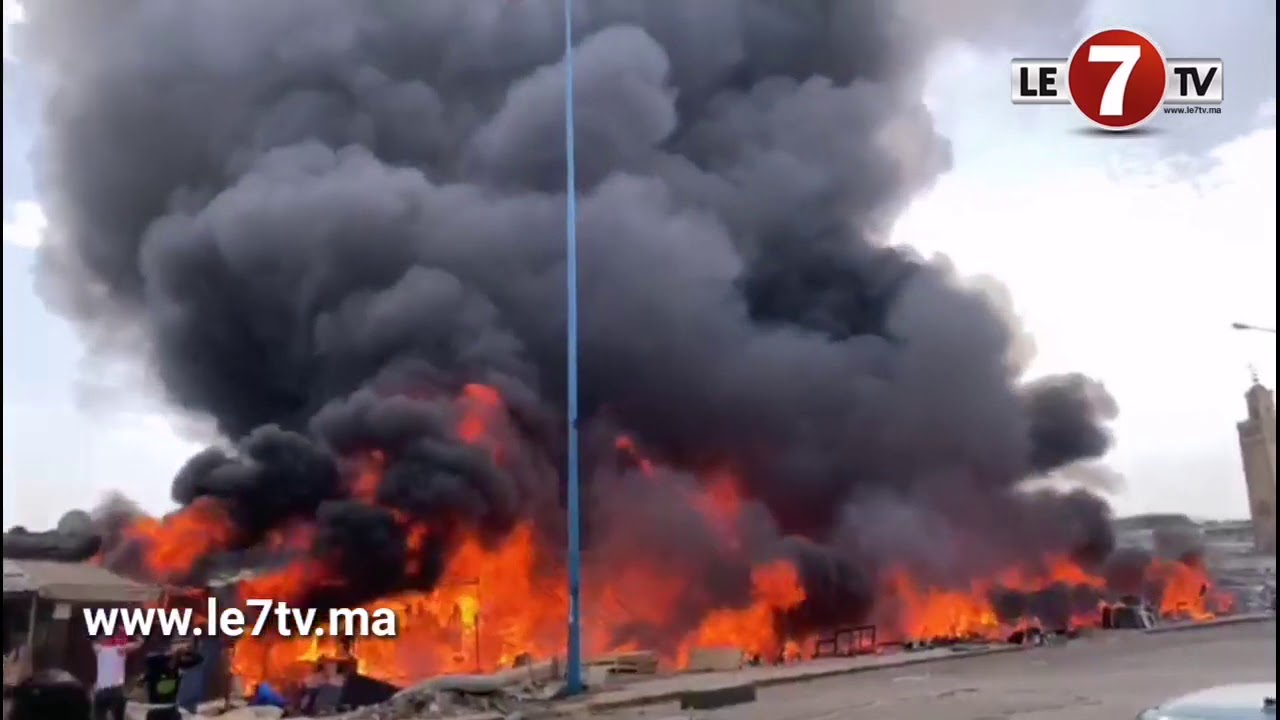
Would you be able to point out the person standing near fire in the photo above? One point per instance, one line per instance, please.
(108, 687)
(162, 680)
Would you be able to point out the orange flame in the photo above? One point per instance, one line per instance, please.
(174, 544)
(1186, 591)
(922, 613)
(496, 602)
(928, 613)
(776, 589)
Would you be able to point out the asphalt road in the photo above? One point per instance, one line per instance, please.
(1110, 676)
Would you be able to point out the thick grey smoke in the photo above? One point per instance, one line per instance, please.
(327, 217)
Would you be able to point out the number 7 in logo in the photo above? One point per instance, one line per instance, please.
(1117, 79)
(1112, 104)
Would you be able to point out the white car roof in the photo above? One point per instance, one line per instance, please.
(1242, 701)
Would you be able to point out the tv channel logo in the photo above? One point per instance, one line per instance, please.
(1119, 80)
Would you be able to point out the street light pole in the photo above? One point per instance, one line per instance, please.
(573, 673)
(1254, 328)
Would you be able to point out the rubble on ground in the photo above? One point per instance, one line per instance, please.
(629, 662)
(715, 659)
(504, 694)
(510, 693)
(238, 711)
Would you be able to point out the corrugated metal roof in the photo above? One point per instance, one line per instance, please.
(73, 582)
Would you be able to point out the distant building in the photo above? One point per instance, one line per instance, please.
(1228, 532)
(1225, 546)
(1258, 452)
(1137, 539)
(1155, 521)
(1238, 569)
(1162, 533)
(1229, 544)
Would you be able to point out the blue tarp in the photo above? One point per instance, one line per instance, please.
(267, 695)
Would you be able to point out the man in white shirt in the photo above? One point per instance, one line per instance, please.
(108, 688)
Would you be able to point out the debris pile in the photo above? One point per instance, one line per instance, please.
(634, 662)
(511, 692)
(508, 693)
(242, 712)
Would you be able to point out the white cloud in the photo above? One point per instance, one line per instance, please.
(1133, 277)
(27, 226)
(1267, 112)
(14, 14)
(57, 458)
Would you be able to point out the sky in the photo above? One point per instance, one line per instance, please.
(1127, 258)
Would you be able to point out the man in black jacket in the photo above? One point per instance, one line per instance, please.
(162, 679)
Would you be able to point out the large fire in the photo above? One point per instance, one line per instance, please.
(928, 614)
(497, 604)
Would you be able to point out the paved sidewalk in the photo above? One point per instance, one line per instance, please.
(666, 689)
(1216, 622)
(1104, 676)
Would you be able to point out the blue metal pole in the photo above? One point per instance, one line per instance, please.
(573, 674)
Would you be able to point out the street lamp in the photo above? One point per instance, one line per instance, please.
(573, 673)
(1255, 328)
(1253, 372)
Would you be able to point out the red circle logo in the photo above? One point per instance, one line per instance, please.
(1117, 79)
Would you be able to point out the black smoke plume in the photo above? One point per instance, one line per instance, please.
(326, 218)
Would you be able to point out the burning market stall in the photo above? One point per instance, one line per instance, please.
(290, 666)
(44, 604)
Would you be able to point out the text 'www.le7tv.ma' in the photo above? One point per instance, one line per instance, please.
(260, 617)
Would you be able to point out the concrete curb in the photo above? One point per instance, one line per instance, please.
(1210, 624)
(674, 695)
(957, 655)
